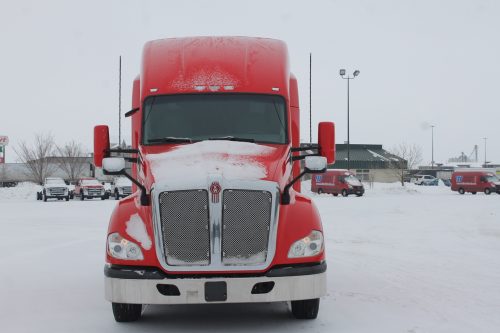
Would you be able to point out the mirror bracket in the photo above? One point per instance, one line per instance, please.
(310, 146)
(285, 197)
(144, 196)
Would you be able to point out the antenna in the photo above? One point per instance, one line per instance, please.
(120, 103)
(310, 97)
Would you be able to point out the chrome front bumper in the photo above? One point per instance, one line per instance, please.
(138, 290)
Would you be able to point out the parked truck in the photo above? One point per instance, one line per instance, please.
(216, 214)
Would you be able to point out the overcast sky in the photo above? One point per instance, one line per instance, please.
(421, 62)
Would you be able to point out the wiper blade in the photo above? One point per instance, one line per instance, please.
(171, 139)
(232, 138)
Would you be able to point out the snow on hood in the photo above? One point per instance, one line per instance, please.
(195, 162)
(137, 230)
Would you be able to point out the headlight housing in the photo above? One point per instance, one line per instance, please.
(121, 248)
(85, 191)
(308, 246)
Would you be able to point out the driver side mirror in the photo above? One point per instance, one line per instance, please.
(101, 144)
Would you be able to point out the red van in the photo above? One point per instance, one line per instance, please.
(474, 181)
(337, 182)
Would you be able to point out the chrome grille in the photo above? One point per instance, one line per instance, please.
(56, 191)
(94, 192)
(185, 227)
(246, 220)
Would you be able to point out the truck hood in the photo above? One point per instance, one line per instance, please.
(195, 163)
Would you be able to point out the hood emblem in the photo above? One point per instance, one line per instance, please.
(215, 190)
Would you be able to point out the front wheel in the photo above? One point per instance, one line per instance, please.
(344, 193)
(82, 197)
(487, 191)
(461, 191)
(305, 309)
(126, 312)
(117, 195)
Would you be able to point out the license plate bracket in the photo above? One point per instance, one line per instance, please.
(215, 291)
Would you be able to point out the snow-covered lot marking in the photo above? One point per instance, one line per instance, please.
(419, 259)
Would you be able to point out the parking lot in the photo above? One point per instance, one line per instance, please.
(413, 259)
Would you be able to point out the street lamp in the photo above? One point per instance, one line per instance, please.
(432, 146)
(342, 73)
(485, 151)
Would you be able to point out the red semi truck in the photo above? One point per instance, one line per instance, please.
(216, 214)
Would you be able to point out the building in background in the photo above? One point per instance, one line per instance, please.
(370, 162)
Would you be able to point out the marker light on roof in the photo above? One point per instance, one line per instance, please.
(228, 87)
(153, 89)
(275, 89)
(214, 88)
(199, 88)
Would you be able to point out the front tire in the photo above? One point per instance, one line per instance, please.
(320, 190)
(487, 191)
(117, 195)
(305, 309)
(344, 193)
(461, 191)
(127, 312)
(82, 197)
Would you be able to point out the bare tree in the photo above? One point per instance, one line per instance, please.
(406, 158)
(36, 157)
(70, 159)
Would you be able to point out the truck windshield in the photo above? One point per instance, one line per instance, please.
(54, 181)
(352, 180)
(492, 179)
(90, 182)
(238, 117)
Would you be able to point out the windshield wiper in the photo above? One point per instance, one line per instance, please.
(232, 138)
(171, 139)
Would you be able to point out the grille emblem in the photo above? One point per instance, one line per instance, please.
(215, 190)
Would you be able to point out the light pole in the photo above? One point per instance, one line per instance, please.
(432, 146)
(348, 78)
(485, 151)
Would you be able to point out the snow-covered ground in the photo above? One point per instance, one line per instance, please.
(413, 259)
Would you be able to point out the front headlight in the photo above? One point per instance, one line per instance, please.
(121, 248)
(308, 246)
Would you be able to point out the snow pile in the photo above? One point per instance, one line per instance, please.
(195, 162)
(385, 189)
(137, 230)
(23, 191)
